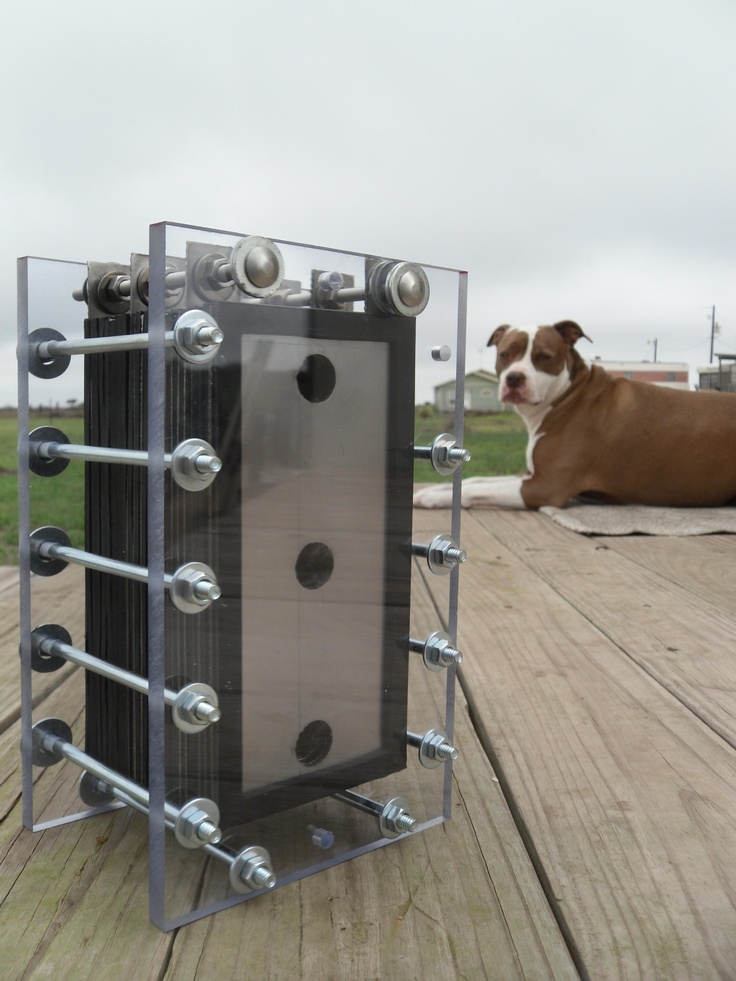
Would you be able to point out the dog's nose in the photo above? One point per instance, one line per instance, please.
(515, 379)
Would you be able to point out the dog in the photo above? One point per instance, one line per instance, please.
(612, 439)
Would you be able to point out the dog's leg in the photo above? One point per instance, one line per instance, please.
(477, 492)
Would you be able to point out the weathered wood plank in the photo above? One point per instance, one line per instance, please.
(460, 900)
(684, 640)
(65, 702)
(704, 566)
(628, 800)
(58, 599)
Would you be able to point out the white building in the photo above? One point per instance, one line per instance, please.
(671, 374)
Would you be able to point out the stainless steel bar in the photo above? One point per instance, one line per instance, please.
(350, 294)
(360, 802)
(59, 747)
(52, 550)
(193, 708)
(171, 813)
(204, 462)
(196, 338)
(99, 454)
(174, 281)
(192, 587)
(394, 818)
(194, 463)
(53, 647)
(250, 869)
(195, 823)
(98, 345)
(298, 299)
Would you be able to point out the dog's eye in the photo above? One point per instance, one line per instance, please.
(543, 356)
(504, 356)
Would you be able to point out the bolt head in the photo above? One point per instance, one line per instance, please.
(262, 267)
(411, 289)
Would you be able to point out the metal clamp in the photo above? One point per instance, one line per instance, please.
(193, 708)
(193, 464)
(434, 747)
(443, 453)
(442, 554)
(437, 651)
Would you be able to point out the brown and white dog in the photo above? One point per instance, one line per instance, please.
(621, 441)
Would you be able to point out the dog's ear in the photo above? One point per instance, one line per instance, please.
(570, 332)
(497, 335)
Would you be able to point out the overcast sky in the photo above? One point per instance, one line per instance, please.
(578, 158)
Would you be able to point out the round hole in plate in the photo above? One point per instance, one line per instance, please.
(316, 378)
(313, 743)
(314, 565)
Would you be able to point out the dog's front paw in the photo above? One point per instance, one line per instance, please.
(434, 496)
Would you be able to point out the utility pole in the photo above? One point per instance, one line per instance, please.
(712, 332)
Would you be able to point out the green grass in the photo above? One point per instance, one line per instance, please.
(54, 500)
(497, 444)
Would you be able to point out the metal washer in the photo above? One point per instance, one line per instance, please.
(48, 567)
(48, 727)
(48, 367)
(39, 465)
(46, 663)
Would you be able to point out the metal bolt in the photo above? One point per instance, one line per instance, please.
(206, 463)
(328, 282)
(320, 838)
(207, 591)
(442, 554)
(194, 464)
(434, 747)
(197, 336)
(437, 650)
(257, 266)
(195, 707)
(197, 823)
(207, 336)
(251, 869)
(395, 818)
(399, 288)
(193, 587)
(444, 454)
(441, 353)
(411, 289)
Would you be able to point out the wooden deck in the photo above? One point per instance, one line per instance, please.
(594, 821)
